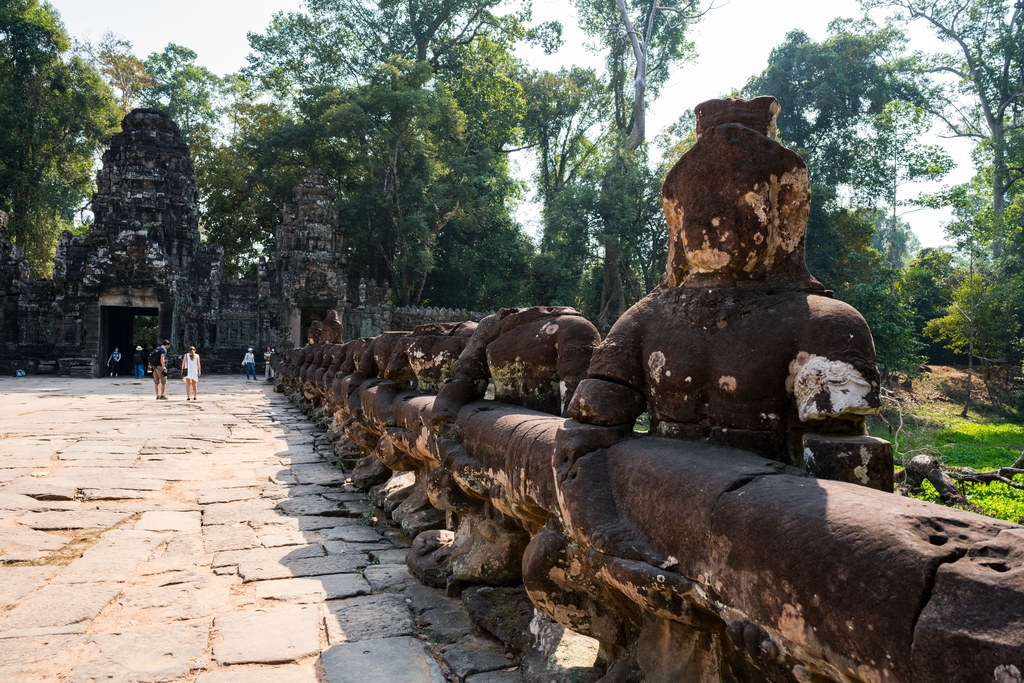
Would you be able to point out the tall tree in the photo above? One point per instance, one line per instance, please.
(55, 115)
(643, 39)
(890, 158)
(987, 37)
(186, 91)
(829, 92)
(121, 69)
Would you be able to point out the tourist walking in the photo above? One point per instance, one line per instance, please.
(139, 361)
(268, 372)
(190, 371)
(250, 365)
(114, 361)
(158, 359)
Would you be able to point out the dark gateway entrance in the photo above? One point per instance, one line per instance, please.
(118, 328)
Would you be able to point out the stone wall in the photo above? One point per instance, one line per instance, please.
(143, 257)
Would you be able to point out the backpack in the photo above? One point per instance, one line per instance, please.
(154, 356)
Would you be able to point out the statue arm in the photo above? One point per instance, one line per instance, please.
(613, 394)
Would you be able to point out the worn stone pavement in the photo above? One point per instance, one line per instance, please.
(209, 542)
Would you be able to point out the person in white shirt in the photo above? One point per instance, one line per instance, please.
(250, 366)
(190, 371)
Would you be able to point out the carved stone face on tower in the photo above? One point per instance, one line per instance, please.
(737, 202)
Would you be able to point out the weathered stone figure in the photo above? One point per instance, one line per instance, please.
(711, 555)
(332, 329)
(746, 350)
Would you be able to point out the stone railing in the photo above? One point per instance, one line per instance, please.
(753, 534)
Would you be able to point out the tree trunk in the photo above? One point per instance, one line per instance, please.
(613, 299)
(999, 173)
(970, 345)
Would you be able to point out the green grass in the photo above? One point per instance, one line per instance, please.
(981, 441)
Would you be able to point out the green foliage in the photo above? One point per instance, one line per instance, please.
(892, 324)
(185, 90)
(927, 282)
(56, 113)
(996, 328)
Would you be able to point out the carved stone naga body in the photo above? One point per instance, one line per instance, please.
(753, 534)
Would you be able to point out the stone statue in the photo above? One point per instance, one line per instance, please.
(753, 535)
(333, 329)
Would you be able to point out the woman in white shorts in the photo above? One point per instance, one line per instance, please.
(190, 371)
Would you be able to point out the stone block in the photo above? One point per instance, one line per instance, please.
(368, 617)
(383, 577)
(472, 655)
(267, 674)
(351, 534)
(312, 566)
(60, 605)
(157, 654)
(77, 519)
(18, 582)
(863, 460)
(385, 660)
(272, 636)
(313, 590)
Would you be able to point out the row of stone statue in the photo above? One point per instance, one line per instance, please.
(751, 534)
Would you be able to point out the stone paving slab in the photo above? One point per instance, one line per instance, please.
(367, 618)
(17, 582)
(326, 587)
(282, 674)
(19, 501)
(114, 494)
(382, 577)
(60, 605)
(42, 489)
(21, 543)
(386, 660)
(277, 536)
(161, 520)
(273, 636)
(36, 659)
(114, 558)
(313, 566)
(352, 534)
(318, 474)
(75, 519)
(228, 496)
(310, 505)
(262, 555)
(223, 537)
(157, 654)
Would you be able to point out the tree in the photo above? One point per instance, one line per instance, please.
(338, 42)
(981, 319)
(889, 159)
(829, 93)
(55, 115)
(121, 69)
(186, 91)
(654, 34)
(987, 37)
(927, 283)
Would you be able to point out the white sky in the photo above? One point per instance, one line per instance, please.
(733, 43)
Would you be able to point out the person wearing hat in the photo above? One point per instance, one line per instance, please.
(250, 365)
(139, 361)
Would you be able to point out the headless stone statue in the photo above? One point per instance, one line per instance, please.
(332, 330)
(741, 346)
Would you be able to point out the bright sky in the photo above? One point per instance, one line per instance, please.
(733, 42)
